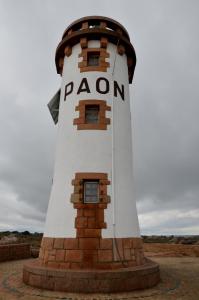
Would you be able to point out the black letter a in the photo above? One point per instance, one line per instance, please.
(83, 87)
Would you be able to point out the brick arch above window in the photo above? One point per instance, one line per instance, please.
(92, 115)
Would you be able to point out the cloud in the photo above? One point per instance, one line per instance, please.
(170, 222)
(17, 214)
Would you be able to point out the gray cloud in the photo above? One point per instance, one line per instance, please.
(164, 100)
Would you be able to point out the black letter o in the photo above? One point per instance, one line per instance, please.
(98, 85)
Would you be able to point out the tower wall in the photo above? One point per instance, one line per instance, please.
(91, 150)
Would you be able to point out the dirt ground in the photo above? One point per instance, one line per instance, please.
(179, 281)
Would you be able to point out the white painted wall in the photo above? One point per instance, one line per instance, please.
(91, 151)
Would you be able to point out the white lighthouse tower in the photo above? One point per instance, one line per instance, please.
(92, 236)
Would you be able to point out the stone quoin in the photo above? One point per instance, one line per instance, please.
(91, 241)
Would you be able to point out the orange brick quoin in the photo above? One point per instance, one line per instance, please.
(90, 216)
(102, 122)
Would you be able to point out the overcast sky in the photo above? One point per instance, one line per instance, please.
(164, 97)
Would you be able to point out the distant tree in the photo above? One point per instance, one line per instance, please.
(26, 232)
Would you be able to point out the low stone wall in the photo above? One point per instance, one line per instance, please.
(14, 251)
(158, 249)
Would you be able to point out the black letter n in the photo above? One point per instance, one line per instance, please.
(117, 89)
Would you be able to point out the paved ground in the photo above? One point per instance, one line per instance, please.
(180, 281)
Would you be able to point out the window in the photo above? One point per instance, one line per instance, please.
(90, 188)
(93, 58)
(91, 191)
(95, 26)
(92, 114)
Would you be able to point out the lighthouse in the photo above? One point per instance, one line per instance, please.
(92, 240)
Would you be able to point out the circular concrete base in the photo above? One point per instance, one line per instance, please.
(92, 281)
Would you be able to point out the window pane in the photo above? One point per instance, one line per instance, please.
(91, 192)
(92, 114)
(93, 59)
(91, 199)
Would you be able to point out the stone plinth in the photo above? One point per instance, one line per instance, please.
(91, 281)
(90, 265)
